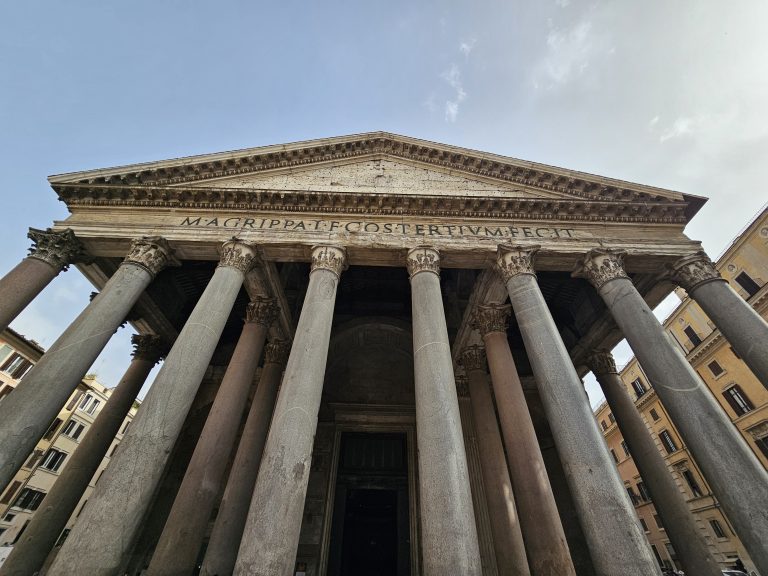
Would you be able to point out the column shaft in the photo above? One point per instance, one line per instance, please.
(271, 535)
(28, 411)
(741, 325)
(448, 531)
(616, 541)
(222, 548)
(505, 522)
(678, 521)
(40, 535)
(179, 545)
(52, 252)
(98, 544)
(720, 451)
(543, 533)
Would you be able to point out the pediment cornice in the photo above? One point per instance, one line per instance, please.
(170, 183)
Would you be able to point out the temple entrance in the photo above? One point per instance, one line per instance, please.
(370, 532)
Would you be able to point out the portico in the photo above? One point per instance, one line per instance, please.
(369, 259)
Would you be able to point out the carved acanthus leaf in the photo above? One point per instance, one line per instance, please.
(238, 254)
(59, 249)
(276, 352)
(692, 271)
(492, 318)
(423, 259)
(473, 358)
(333, 258)
(600, 266)
(512, 261)
(263, 311)
(153, 253)
(149, 347)
(601, 362)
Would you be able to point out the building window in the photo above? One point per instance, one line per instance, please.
(632, 496)
(89, 404)
(656, 519)
(63, 537)
(692, 484)
(73, 429)
(656, 553)
(33, 459)
(52, 429)
(29, 499)
(654, 415)
(53, 460)
(738, 400)
(125, 428)
(715, 368)
(762, 443)
(16, 366)
(750, 286)
(625, 448)
(643, 491)
(74, 400)
(692, 336)
(668, 442)
(637, 384)
(112, 452)
(717, 528)
(615, 458)
(10, 492)
(644, 525)
(611, 418)
(603, 425)
(4, 351)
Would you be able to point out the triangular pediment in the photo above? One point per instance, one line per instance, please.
(378, 176)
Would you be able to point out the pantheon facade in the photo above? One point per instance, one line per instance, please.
(373, 348)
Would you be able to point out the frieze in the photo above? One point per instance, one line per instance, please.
(600, 266)
(59, 249)
(238, 254)
(423, 259)
(693, 271)
(332, 258)
(512, 261)
(153, 253)
(262, 311)
(492, 318)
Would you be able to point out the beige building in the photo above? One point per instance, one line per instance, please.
(23, 495)
(376, 345)
(740, 394)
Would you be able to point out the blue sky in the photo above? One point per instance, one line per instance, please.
(672, 94)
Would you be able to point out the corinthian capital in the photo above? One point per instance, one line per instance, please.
(238, 254)
(692, 271)
(473, 358)
(148, 347)
(492, 318)
(422, 259)
(276, 352)
(262, 311)
(600, 266)
(59, 249)
(512, 260)
(332, 258)
(601, 362)
(153, 253)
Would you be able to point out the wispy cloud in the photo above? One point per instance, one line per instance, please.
(569, 52)
(563, 3)
(466, 47)
(453, 77)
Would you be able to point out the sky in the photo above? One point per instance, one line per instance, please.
(670, 94)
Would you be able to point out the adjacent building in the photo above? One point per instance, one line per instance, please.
(23, 495)
(740, 394)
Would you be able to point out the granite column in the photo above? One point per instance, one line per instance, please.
(448, 530)
(616, 542)
(101, 540)
(722, 454)
(228, 528)
(271, 535)
(28, 411)
(678, 521)
(545, 542)
(40, 535)
(739, 322)
(179, 545)
(505, 522)
(51, 253)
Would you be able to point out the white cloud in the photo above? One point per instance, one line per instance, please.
(563, 3)
(653, 122)
(467, 47)
(680, 127)
(569, 52)
(453, 77)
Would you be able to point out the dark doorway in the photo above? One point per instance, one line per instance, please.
(370, 533)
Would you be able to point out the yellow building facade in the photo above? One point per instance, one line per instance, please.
(24, 494)
(741, 395)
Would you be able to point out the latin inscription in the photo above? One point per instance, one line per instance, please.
(362, 226)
